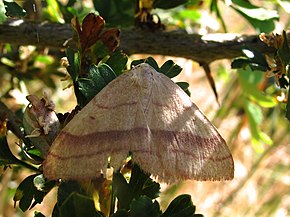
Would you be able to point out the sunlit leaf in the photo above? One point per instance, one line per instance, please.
(255, 112)
(255, 117)
(67, 10)
(193, 15)
(260, 18)
(285, 4)
(249, 80)
(255, 12)
(44, 59)
(265, 138)
(54, 11)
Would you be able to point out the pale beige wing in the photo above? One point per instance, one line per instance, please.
(146, 113)
(104, 127)
(184, 144)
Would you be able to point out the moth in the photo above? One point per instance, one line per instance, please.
(145, 113)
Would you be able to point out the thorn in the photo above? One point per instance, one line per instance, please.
(208, 73)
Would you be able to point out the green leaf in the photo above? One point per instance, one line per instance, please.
(242, 62)
(149, 60)
(74, 63)
(137, 62)
(13, 9)
(260, 18)
(184, 86)
(249, 80)
(53, 11)
(151, 189)
(192, 14)
(265, 138)
(44, 59)
(180, 206)
(170, 69)
(167, 4)
(255, 117)
(116, 13)
(26, 192)
(38, 198)
(144, 207)
(77, 205)
(66, 10)
(100, 50)
(117, 61)
(34, 153)
(99, 77)
(122, 191)
(255, 112)
(139, 184)
(106, 72)
(249, 77)
(255, 12)
(152, 62)
(253, 58)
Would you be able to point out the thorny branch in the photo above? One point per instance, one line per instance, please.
(203, 49)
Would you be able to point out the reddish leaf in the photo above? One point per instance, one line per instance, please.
(91, 28)
(111, 38)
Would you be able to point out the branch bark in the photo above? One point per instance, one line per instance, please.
(203, 49)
